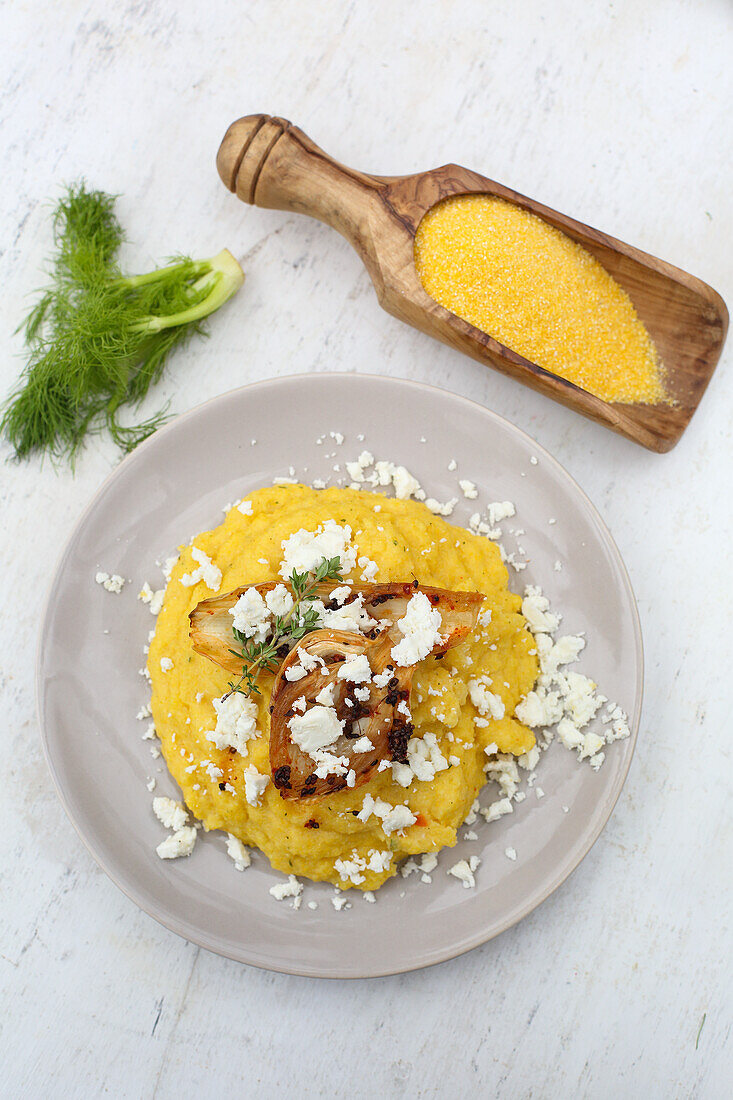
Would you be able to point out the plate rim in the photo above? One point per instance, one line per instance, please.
(169, 919)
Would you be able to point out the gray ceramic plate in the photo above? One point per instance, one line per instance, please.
(89, 690)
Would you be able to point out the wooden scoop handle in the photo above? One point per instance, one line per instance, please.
(269, 162)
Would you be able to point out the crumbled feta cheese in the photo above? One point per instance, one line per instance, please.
(351, 617)
(581, 702)
(363, 744)
(497, 809)
(254, 784)
(110, 582)
(178, 844)
(167, 566)
(207, 572)
(291, 888)
(369, 569)
(171, 814)
(468, 489)
(503, 770)
(251, 615)
(339, 901)
(486, 702)
(500, 510)
(539, 708)
(350, 870)
(591, 745)
(236, 723)
(472, 813)
(419, 628)
(536, 610)
(510, 853)
(340, 594)
(393, 818)
(325, 695)
(166, 664)
(439, 509)
(304, 550)
(245, 507)
(424, 760)
(464, 871)
(154, 599)
(404, 484)
(317, 729)
(328, 763)
(279, 601)
(238, 852)
(529, 760)
(355, 669)
(355, 470)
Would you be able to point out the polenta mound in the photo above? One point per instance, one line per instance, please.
(406, 541)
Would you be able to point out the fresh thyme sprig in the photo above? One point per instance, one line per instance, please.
(260, 657)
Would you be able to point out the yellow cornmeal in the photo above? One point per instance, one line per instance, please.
(535, 290)
(393, 537)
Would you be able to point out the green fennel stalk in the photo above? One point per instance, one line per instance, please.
(97, 340)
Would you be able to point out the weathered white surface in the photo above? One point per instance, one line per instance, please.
(618, 114)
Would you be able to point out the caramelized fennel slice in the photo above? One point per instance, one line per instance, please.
(211, 624)
(377, 718)
(294, 771)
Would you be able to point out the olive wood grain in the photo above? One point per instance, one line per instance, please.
(269, 162)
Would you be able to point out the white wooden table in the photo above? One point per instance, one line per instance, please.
(619, 114)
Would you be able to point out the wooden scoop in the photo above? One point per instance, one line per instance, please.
(271, 163)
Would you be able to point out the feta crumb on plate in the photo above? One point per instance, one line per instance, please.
(111, 582)
(291, 888)
(178, 844)
(171, 814)
(238, 852)
(154, 599)
(464, 871)
(468, 489)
